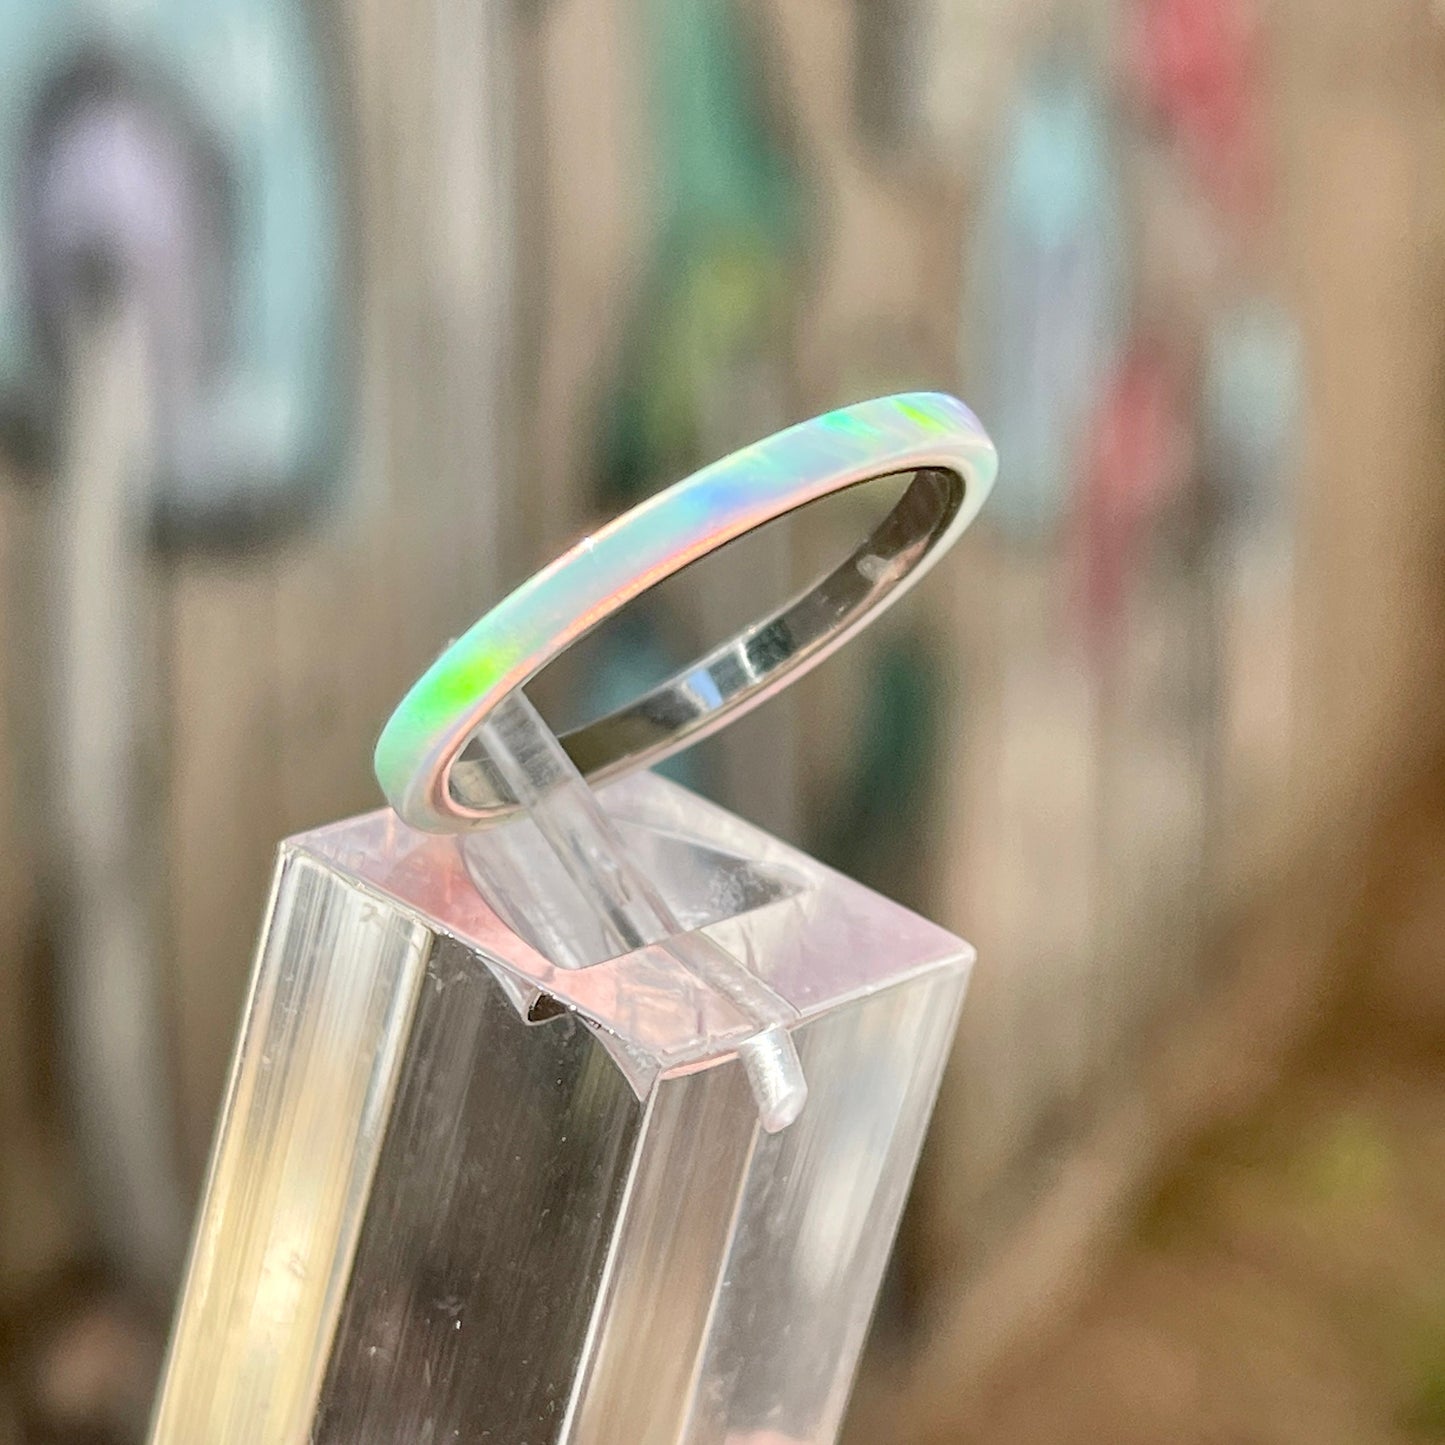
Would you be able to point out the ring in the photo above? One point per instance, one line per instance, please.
(436, 782)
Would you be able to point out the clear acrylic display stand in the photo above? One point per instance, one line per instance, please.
(517, 1145)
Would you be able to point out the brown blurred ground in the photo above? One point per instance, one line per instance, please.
(1286, 1282)
(1287, 1286)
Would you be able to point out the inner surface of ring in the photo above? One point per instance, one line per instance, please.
(696, 700)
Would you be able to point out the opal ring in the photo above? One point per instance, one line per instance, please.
(427, 762)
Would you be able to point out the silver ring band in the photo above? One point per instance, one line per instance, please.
(438, 778)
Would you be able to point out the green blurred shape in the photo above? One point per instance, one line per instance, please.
(876, 827)
(717, 287)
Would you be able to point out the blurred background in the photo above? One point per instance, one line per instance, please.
(323, 324)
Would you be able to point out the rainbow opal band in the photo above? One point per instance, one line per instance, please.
(919, 432)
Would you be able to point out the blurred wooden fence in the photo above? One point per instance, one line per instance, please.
(502, 206)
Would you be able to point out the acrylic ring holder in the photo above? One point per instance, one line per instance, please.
(484, 1171)
(545, 781)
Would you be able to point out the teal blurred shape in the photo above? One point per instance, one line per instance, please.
(1253, 408)
(1046, 290)
(267, 439)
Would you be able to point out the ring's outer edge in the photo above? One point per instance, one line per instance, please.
(635, 551)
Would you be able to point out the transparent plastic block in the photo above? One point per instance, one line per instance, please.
(479, 1178)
